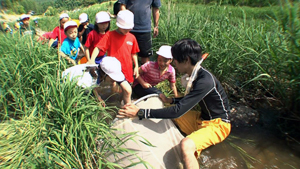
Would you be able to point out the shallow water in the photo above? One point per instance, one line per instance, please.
(246, 147)
(251, 147)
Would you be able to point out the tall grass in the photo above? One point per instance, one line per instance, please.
(46, 121)
(254, 52)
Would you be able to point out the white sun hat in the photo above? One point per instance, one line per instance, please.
(24, 16)
(165, 51)
(70, 24)
(83, 18)
(102, 17)
(112, 67)
(63, 15)
(125, 19)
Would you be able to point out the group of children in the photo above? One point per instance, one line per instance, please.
(114, 50)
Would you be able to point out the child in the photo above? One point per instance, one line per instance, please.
(5, 28)
(58, 32)
(122, 45)
(151, 73)
(102, 26)
(70, 46)
(109, 74)
(84, 28)
(25, 28)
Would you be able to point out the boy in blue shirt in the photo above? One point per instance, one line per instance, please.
(71, 45)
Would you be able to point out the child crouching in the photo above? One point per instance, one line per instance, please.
(110, 72)
(152, 73)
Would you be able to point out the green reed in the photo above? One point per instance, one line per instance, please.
(47, 121)
(254, 52)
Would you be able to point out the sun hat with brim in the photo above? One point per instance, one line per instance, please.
(102, 17)
(165, 51)
(112, 67)
(24, 16)
(63, 15)
(70, 24)
(125, 19)
(83, 18)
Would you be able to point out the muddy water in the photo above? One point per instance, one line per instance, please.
(246, 147)
(251, 147)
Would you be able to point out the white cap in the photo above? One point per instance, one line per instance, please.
(63, 15)
(165, 51)
(112, 67)
(125, 19)
(24, 16)
(102, 17)
(70, 24)
(83, 18)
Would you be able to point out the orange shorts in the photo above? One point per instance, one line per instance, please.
(204, 133)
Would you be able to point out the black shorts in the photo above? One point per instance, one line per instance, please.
(145, 43)
(140, 91)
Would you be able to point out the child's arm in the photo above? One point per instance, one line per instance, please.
(82, 31)
(50, 42)
(94, 55)
(63, 55)
(136, 64)
(98, 97)
(141, 81)
(87, 54)
(82, 48)
(173, 87)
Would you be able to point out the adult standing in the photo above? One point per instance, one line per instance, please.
(210, 127)
(142, 23)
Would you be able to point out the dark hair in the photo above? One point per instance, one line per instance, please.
(186, 48)
(96, 28)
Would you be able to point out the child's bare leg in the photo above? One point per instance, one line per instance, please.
(127, 90)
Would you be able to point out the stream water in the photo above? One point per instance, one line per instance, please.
(246, 147)
(251, 147)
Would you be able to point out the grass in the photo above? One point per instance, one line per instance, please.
(46, 121)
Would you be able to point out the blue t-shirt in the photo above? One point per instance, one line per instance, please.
(142, 13)
(70, 47)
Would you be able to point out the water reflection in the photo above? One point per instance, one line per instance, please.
(251, 148)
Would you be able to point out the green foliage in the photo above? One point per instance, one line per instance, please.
(231, 2)
(47, 121)
(254, 52)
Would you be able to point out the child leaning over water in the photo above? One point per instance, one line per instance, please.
(71, 45)
(110, 72)
(151, 73)
(101, 27)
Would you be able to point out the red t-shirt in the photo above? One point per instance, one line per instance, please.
(55, 34)
(121, 47)
(92, 40)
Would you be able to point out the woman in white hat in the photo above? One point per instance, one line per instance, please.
(101, 27)
(151, 73)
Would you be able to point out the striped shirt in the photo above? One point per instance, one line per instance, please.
(151, 74)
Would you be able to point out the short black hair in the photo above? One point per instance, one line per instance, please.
(96, 28)
(186, 48)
